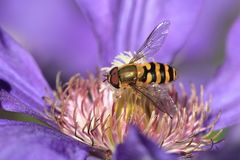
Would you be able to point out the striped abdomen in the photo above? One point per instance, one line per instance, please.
(154, 72)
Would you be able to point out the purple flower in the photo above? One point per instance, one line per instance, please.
(22, 87)
(197, 42)
(88, 115)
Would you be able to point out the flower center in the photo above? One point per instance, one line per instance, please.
(95, 117)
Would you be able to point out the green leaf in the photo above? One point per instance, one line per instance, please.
(20, 117)
(217, 135)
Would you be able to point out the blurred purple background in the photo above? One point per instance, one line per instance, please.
(55, 33)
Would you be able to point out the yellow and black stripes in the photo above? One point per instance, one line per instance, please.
(148, 75)
(157, 73)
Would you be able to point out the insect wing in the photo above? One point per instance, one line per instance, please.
(153, 43)
(159, 96)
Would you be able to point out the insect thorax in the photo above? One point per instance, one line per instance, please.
(128, 74)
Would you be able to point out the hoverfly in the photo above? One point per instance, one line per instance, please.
(147, 78)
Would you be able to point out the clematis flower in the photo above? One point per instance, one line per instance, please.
(197, 41)
(90, 116)
(18, 95)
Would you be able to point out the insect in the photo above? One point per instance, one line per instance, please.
(145, 78)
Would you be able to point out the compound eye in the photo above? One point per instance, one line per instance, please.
(114, 77)
(114, 71)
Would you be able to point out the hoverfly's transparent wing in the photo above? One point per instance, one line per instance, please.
(153, 43)
(159, 96)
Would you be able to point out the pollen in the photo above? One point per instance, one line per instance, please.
(89, 112)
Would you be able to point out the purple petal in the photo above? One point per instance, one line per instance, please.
(128, 23)
(225, 86)
(21, 83)
(55, 32)
(19, 140)
(204, 51)
(103, 21)
(136, 146)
